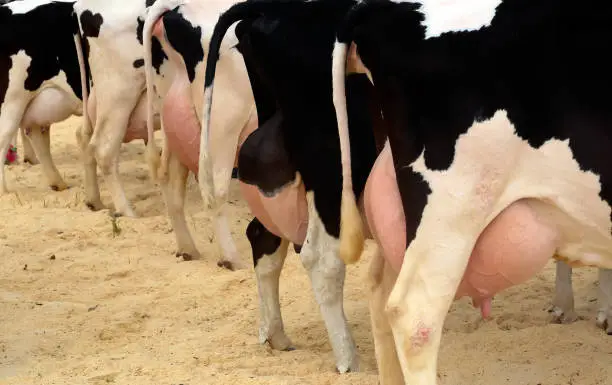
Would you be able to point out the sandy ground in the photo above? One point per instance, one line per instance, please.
(79, 306)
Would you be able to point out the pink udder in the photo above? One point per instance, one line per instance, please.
(285, 214)
(513, 248)
(181, 125)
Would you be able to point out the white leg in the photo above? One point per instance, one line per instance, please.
(423, 293)
(229, 256)
(604, 314)
(382, 278)
(29, 156)
(563, 304)
(110, 128)
(269, 253)
(90, 169)
(40, 139)
(173, 189)
(10, 116)
(326, 271)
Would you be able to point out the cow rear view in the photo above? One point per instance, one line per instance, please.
(40, 82)
(491, 153)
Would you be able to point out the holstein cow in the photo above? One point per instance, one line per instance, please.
(116, 106)
(289, 167)
(178, 84)
(40, 82)
(29, 154)
(495, 162)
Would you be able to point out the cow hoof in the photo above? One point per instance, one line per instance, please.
(352, 367)
(185, 256)
(602, 322)
(226, 265)
(128, 214)
(94, 206)
(277, 341)
(232, 264)
(559, 316)
(59, 187)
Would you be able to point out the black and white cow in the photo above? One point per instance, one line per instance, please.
(499, 138)
(289, 167)
(40, 81)
(184, 28)
(45, 77)
(116, 106)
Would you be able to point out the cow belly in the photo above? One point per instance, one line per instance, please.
(284, 215)
(181, 125)
(49, 106)
(513, 247)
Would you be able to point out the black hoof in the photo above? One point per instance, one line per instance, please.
(185, 256)
(226, 265)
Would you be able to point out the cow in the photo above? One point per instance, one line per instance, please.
(114, 50)
(293, 195)
(175, 88)
(40, 82)
(29, 154)
(115, 109)
(495, 163)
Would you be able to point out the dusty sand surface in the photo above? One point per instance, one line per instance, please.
(123, 310)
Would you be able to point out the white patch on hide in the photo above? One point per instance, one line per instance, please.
(25, 6)
(493, 167)
(456, 15)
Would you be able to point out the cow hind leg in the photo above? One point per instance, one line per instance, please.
(173, 189)
(562, 308)
(29, 155)
(604, 314)
(90, 167)
(382, 278)
(326, 271)
(108, 134)
(40, 139)
(10, 116)
(269, 253)
(422, 295)
(229, 256)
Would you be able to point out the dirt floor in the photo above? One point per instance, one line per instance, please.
(81, 306)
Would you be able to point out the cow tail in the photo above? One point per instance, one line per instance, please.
(351, 227)
(86, 131)
(153, 14)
